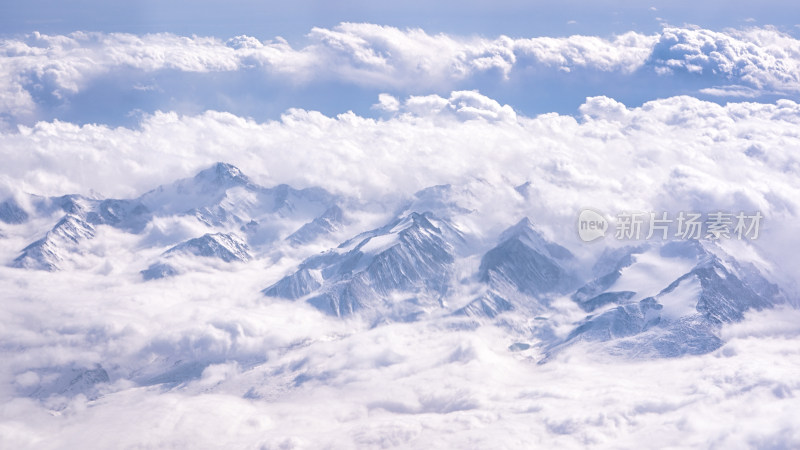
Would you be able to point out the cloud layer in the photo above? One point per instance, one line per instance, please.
(281, 376)
(676, 154)
(42, 70)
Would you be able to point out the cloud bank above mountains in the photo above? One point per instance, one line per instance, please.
(672, 155)
(62, 76)
(746, 149)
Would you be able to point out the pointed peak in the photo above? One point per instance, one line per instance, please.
(444, 200)
(412, 221)
(228, 247)
(526, 233)
(525, 223)
(225, 167)
(524, 189)
(522, 228)
(423, 219)
(223, 174)
(334, 213)
(220, 238)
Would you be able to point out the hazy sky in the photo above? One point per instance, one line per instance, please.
(293, 19)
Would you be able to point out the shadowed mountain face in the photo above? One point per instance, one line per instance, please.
(488, 305)
(127, 215)
(522, 272)
(12, 213)
(651, 300)
(409, 256)
(681, 316)
(526, 262)
(225, 247)
(69, 381)
(331, 220)
(81, 218)
(159, 270)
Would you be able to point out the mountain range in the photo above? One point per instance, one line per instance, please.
(423, 262)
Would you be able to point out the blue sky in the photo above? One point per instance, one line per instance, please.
(293, 19)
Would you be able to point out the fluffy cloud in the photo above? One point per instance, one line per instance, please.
(609, 145)
(280, 375)
(625, 53)
(674, 154)
(387, 102)
(205, 358)
(759, 58)
(39, 68)
(463, 105)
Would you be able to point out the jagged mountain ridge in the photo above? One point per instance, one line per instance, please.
(224, 247)
(227, 247)
(223, 190)
(685, 315)
(524, 271)
(331, 220)
(48, 252)
(426, 262)
(81, 217)
(411, 254)
(220, 197)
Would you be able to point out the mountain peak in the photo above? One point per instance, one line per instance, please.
(523, 227)
(206, 189)
(525, 232)
(420, 219)
(222, 174)
(227, 247)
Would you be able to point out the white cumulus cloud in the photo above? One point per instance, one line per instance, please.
(674, 154)
(37, 66)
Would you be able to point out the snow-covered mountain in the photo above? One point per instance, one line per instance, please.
(221, 198)
(404, 267)
(331, 220)
(50, 251)
(221, 246)
(524, 269)
(81, 216)
(434, 258)
(69, 381)
(222, 194)
(670, 299)
(227, 247)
